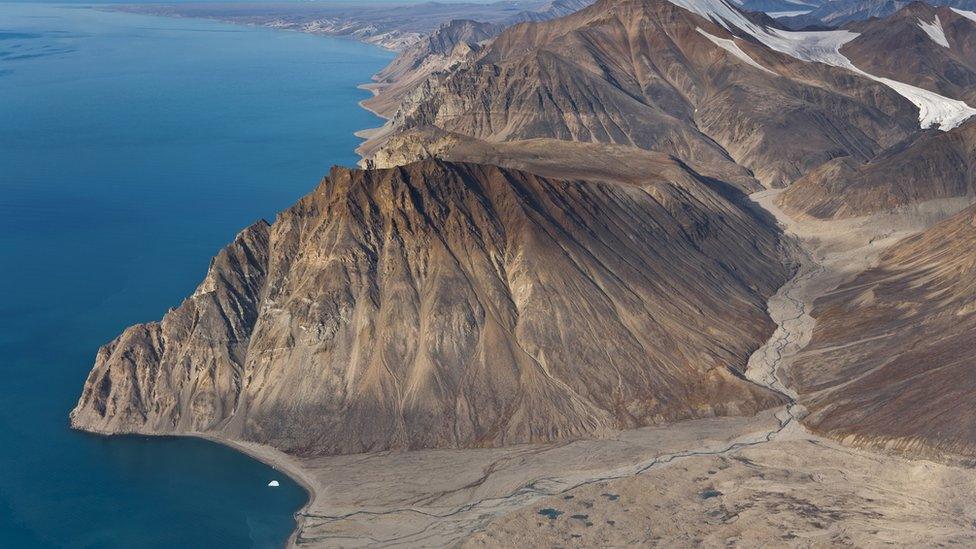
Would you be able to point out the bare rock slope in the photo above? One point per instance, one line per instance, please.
(934, 165)
(442, 304)
(890, 362)
(932, 48)
(658, 76)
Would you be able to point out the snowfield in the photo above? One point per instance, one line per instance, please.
(934, 110)
(935, 31)
(730, 46)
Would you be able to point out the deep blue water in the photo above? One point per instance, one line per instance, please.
(132, 149)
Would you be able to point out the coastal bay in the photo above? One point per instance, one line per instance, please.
(133, 147)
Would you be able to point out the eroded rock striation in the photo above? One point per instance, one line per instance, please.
(450, 304)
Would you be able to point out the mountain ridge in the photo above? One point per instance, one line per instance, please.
(673, 98)
(428, 325)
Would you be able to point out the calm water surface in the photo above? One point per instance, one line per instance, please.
(131, 149)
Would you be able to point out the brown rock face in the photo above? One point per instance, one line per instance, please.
(934, 165)
(891, 358)
(897, 47)
(644, 74)
(186, 372)
(440, 50)
(442, 304)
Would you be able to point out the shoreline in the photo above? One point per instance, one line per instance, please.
(267, 455)
(368, 133)
(278, 461)
(120, 8)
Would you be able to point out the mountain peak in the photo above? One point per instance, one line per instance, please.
(454, 304)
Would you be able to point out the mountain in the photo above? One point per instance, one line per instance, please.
(843, 12)
(448, 46)
(448, 304)
(933, 48)
(439, 51)
(934, 165)
(704, 82)
(550, 10)
(890, 363)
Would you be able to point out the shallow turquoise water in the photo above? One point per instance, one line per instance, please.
(131, 149)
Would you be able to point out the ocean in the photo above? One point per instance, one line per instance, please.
(132, 148)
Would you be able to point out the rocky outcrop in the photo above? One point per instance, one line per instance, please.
(890, 364)
(184, 373)
(441, 304)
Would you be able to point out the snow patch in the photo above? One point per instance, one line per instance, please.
(967, 14)
(934, 110)
(824, 47)
(819, 46)
(730, 46)
(778, 14)
(935, 31)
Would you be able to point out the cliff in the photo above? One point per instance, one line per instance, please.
(456, 305)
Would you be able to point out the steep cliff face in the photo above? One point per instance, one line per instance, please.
(664, 77)
(441, 305)
(891, 362)
(186, 372)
